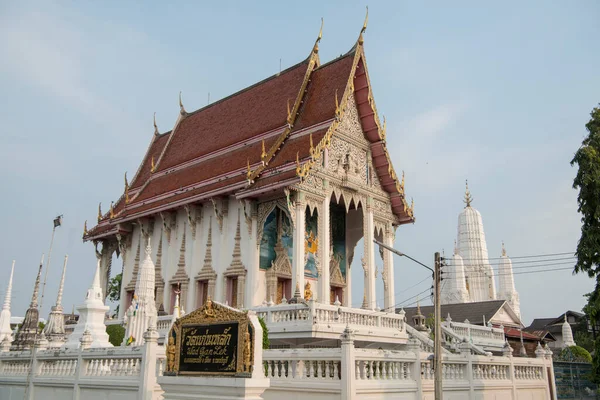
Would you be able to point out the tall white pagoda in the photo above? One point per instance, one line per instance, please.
(472, 248)
(5, 330)
(506, 281)
(455, 289)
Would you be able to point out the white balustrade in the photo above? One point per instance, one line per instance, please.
(60, 367)
(15, 367)
(526, 372)
(490, 372)
(113, 366)
(303, 364)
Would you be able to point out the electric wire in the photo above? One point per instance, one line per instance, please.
(518, 257)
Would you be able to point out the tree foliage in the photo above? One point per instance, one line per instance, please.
(577, 353)
(587, 181)
(114, 288)
(116, 333)
(265, 338)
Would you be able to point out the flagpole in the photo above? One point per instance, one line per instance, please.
(57, 222)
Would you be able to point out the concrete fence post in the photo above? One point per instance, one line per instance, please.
(348, 364)
(148, 379)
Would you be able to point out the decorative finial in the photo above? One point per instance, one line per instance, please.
(364, 28)
(503, 250)
(468, 199)
(99, 212)
(337, 104)
(312, 148)
(155, 126)
(315, 49)
(152, 165)
(85, 231)
(402, 183)
(126, 189)
(181, 108)
(263, 154)
(111, 211)
(289, 113)
(297, 162)
(248, 170)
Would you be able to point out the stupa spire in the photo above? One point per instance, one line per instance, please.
(567, 334)
(91, 317)
(5, 330)
(506, 283)
(26, 336)
(468, 198)
(54, 330)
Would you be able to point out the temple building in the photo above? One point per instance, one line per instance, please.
(264, 194)
(468, 273)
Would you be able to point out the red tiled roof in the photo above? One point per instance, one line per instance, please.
(515, 333)
(207, 153)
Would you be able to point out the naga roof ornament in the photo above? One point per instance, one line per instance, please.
(181, 107)
(126, 189)
(364, 28)
(156, 132)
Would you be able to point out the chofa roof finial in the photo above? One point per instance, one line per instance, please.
(316, 46)
(364, 27)
(126, 189)
(155, 126)
(85, 230)
(181, 108)
(99, 212)
(468, 199)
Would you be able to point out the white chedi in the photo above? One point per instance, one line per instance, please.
(472, 248)
(142, 314)
(455, 289)
(567, 334)
(506, 280)
(91, 317)
(5, 331)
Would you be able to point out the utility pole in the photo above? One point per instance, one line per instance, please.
(437, 345)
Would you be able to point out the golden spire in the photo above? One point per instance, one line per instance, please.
(181, 108)
(99, 212)
(126, 189)
(364, 27)
(155, 126)
(85, 231)
(263, 154)
(111, 211)
(152, 165)
(468, 199)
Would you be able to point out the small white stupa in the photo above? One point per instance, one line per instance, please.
(55, 328)
(142, 313)
(91, 317)
(455, 289)
(5, 330)
(567, 334)
(506, 289)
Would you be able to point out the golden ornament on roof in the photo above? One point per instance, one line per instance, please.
(263, 154)
(85, 231)
(155, 126)
(152, 165)
(111, 211)
(126, 189)
(99, 212)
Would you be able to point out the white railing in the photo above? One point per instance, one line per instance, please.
(329, 321)
(306, 364)
(480, 335)
(371, 364)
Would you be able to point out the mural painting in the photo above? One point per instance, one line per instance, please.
(338, 236)
(311, 245)
(270, 234)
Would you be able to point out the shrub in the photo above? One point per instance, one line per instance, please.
(265, 338)
(577, 352)
(115, 334)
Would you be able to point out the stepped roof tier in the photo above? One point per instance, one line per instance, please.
(256, 142)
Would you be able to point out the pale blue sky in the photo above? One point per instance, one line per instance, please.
(498, 94)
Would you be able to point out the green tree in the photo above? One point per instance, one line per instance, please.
(114, 291)
(587, 181)
(115, 334)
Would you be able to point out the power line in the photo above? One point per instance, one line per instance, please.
(529, 256)
(533, 261)
(482, 274)
(522, 266)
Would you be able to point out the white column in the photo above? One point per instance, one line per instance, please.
(388, 265)
(224, 252)
(369, 255)
(253, 262)
(324, 247)
(299, 228)
(348, 365)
